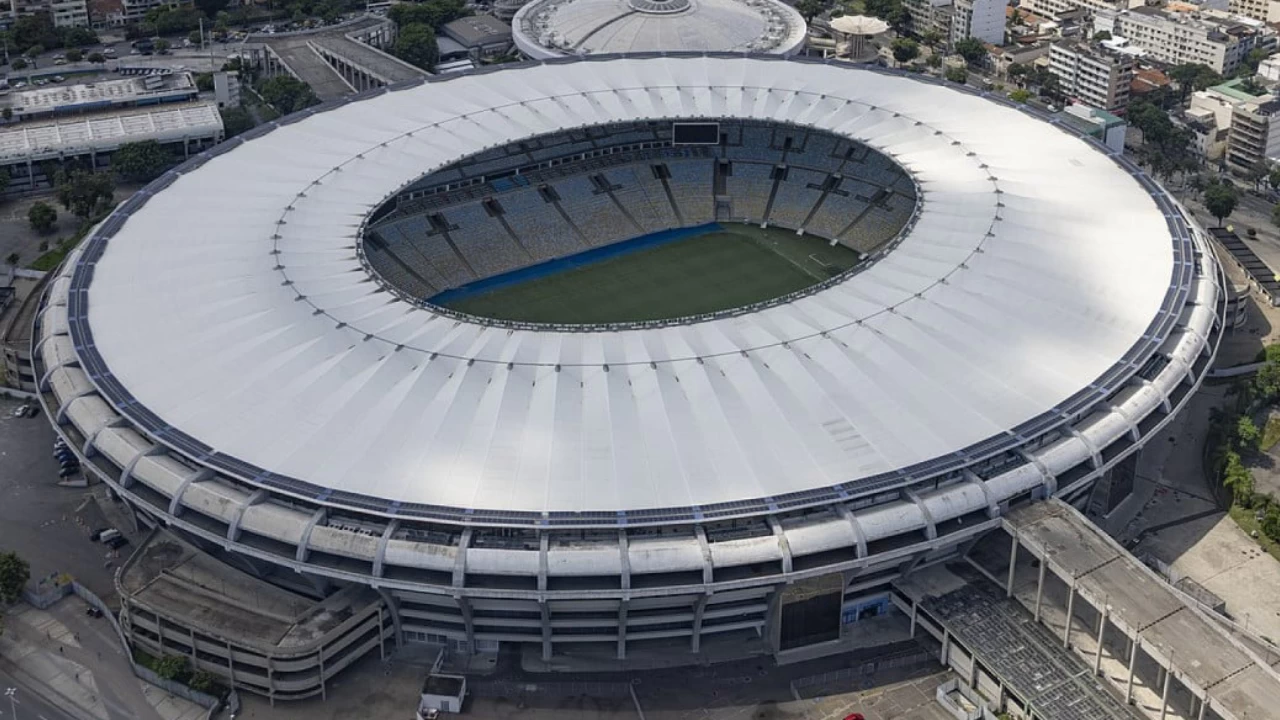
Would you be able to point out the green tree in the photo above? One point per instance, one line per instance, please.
(957, 75)
(905, 50)
(1101, 35)
(74, 55)
(18, 63)
(14, 574)
(12, 259)
(205, 682)
(1247, 433)
(161, 45)
(85, 193)
(1193, 76)
(809, 9)
(931, 38)
(141, 161)
(172, 667)
(235, 121)
(1220, 200)
(194, 37)
(287, 94)
(432, 13)
(42, 217)
(96, 58)
(1237, 478)
(1020, 95)
(972, 50)
(211, 8)
(416, 45)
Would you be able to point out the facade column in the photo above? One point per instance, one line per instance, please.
(1013, 565)
(195, 662)
(271, 681)
(915, 607)
(1204, 707)
(699, 607)
(324, 691)
(382, 638)
(622, 630)
(546, 630)
(1044, 562)
(1102, 629)
(946, 646)
(1071, 601)
(1133, 656)
(1164, 695)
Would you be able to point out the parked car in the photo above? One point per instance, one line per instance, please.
(108, 535)
(57, 78)
(117, 542)
(66, 472)
(96, 535)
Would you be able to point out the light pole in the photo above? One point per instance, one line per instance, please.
(13, 709)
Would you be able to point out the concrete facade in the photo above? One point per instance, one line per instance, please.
(1092, 75)
(258, 637)
(1211, 37)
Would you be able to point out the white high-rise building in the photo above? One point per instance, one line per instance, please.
(1210, 37)
(981, 19)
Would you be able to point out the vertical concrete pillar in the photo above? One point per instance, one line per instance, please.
(946, 646)
(1204, 707)
(1102, 629)
(1133, 657)
(622, 630)
(546, 630)
(324, 691)
(382, 640)
(915, 608)
(1071, 602)
(1164, 695)
(699, 607)
(1044, 562)
(773, 621)
(231, 664)
(195, 661)
(271, 681)
(1013, 566)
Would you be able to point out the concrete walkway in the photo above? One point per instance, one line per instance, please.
(76, 662)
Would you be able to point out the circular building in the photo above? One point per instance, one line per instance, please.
(556, 28)
(857, 32)
(270, 352)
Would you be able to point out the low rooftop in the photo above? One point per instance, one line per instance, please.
(297, 51)
(98, 95)
(177, 581)
(78, 134)
(1239, 685)
(478, 31)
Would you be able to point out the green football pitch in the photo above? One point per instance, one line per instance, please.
(724, 268)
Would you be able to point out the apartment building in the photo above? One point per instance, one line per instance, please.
(1254, 138)
(1057, 8)
(69, 13)
(1211, 37)
(1092, 75)
(1256, 9)
(980, 19)
(930, 15)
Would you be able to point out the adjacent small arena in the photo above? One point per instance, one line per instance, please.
(249, 353)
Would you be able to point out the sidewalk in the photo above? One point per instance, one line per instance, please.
(77, 663)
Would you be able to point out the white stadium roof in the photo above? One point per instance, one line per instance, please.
(551, 28)
(230, 312)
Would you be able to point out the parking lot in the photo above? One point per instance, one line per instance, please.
(45, 523)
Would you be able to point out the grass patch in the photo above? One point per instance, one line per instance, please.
(1248, 522)
(54, 257)
(1270, 435)
(729, 267)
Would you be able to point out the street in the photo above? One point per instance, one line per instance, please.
(26, 704)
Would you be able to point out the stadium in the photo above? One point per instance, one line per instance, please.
(633, 356)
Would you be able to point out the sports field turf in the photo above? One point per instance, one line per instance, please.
(728, 266)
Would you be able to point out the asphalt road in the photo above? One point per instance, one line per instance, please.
(27, 705)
